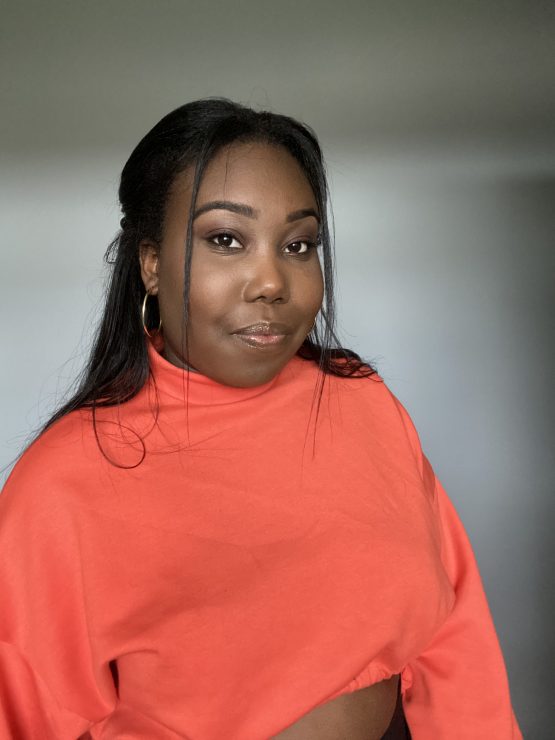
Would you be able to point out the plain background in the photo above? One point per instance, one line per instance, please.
(437, 119)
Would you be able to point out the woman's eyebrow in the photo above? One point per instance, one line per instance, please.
(226, 205)
(303, 213)
(244, 210)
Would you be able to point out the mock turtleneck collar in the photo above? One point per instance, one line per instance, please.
(196, 388)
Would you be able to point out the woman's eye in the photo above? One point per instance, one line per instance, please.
(225, 241)
(299, 247)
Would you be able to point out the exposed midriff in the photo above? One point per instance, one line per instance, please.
(364, 714)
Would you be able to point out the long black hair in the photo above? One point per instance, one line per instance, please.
(190, 136)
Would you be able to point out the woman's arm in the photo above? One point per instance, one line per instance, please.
(457, 687)
(51, 686)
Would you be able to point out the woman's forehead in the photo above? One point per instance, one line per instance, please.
(251, 171)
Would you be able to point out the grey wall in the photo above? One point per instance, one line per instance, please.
(438, 122)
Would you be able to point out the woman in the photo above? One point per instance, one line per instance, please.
(230, 531)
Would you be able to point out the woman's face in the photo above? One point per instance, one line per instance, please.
(256, 283)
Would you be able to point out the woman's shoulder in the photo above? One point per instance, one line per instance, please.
(63, 451)
(358, 389)
(357, 383)
(365, 397)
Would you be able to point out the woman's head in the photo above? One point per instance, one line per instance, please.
(216, 151)
(224, 278)
(255, 280)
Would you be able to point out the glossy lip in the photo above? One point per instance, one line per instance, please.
(267, 328)
(263, 335)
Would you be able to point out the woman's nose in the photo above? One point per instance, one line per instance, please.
(266, 280)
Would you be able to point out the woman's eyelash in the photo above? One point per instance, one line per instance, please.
(309, 245)
(223, 235)
(225, 239)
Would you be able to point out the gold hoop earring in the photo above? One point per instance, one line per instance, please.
(143, 315)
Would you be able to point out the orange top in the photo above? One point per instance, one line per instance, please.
(246, 572)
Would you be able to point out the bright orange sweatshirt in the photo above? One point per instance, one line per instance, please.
(245, 572)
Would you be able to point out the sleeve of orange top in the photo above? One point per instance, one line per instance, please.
(458, 687)
(50, 688)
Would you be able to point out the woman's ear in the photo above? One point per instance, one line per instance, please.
(149, 257)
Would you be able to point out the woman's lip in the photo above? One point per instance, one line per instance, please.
(261, 340)
(264, 328)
